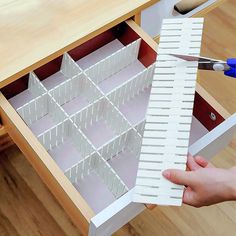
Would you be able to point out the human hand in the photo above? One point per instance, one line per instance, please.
(205, 184)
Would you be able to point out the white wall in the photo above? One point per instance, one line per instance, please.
(151, 18)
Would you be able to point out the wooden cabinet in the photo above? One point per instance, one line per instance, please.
(75, 106)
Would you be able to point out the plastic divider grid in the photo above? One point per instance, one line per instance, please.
(78, 85)
(101, 110)
(132, 87)
(59, 133)
(96, 163)
(84, 83)
(35, 86)
(140, 127)
(68, 67)
(130, 139)
(39, 107)
(114, 63)
(35, 89)
(67, 70)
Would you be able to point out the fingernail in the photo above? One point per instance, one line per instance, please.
(166, 174)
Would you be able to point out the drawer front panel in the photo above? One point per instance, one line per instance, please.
(115, 216)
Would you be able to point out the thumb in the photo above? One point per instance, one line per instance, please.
(178, 176)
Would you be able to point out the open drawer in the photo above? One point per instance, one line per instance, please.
(79, 121)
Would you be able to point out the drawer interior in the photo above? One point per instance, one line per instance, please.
(87, 108)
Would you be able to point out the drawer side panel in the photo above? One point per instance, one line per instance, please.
(59, 185)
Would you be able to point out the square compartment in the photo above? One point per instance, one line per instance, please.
(122, 153)
(100, 122)
(96, 181)
(117, 68)
(57, 71)
(66, 144)
(99, 54)
(76, 93)
(34, 89)
(132, 97)
(41, 113)
(121, 76)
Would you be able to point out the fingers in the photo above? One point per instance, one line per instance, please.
(203, 162)
(192, 164)
(179, 177)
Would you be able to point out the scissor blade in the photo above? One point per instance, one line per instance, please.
(193, 58)
(186, 57)
(204, 63)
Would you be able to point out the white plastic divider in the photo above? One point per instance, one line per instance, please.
(44, 103)
(114, 63)
(140, 127)
(101, 110)
(168, 121)
(35, 86)
(78, 85)
(39, 107)
(34, 89)
(128, 140)
(69, 67)
(56, 135)
(95, 162)
(132, 87)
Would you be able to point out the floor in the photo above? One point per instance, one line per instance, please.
(26, 205)
(219, 37)
(28, 208)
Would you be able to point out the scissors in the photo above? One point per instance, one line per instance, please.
(204, 63)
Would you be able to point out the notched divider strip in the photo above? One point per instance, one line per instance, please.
(69, 67)
(56, 135)
(95, 162)
(35, 86)
(140, 127)
(166, 119)
(129, 139)
(74, 87)
(39, 107)
(131, 87)
(101, 109)
(114, 62)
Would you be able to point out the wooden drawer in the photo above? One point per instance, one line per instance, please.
(82, 132)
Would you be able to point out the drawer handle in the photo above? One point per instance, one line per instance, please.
(213, 116)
